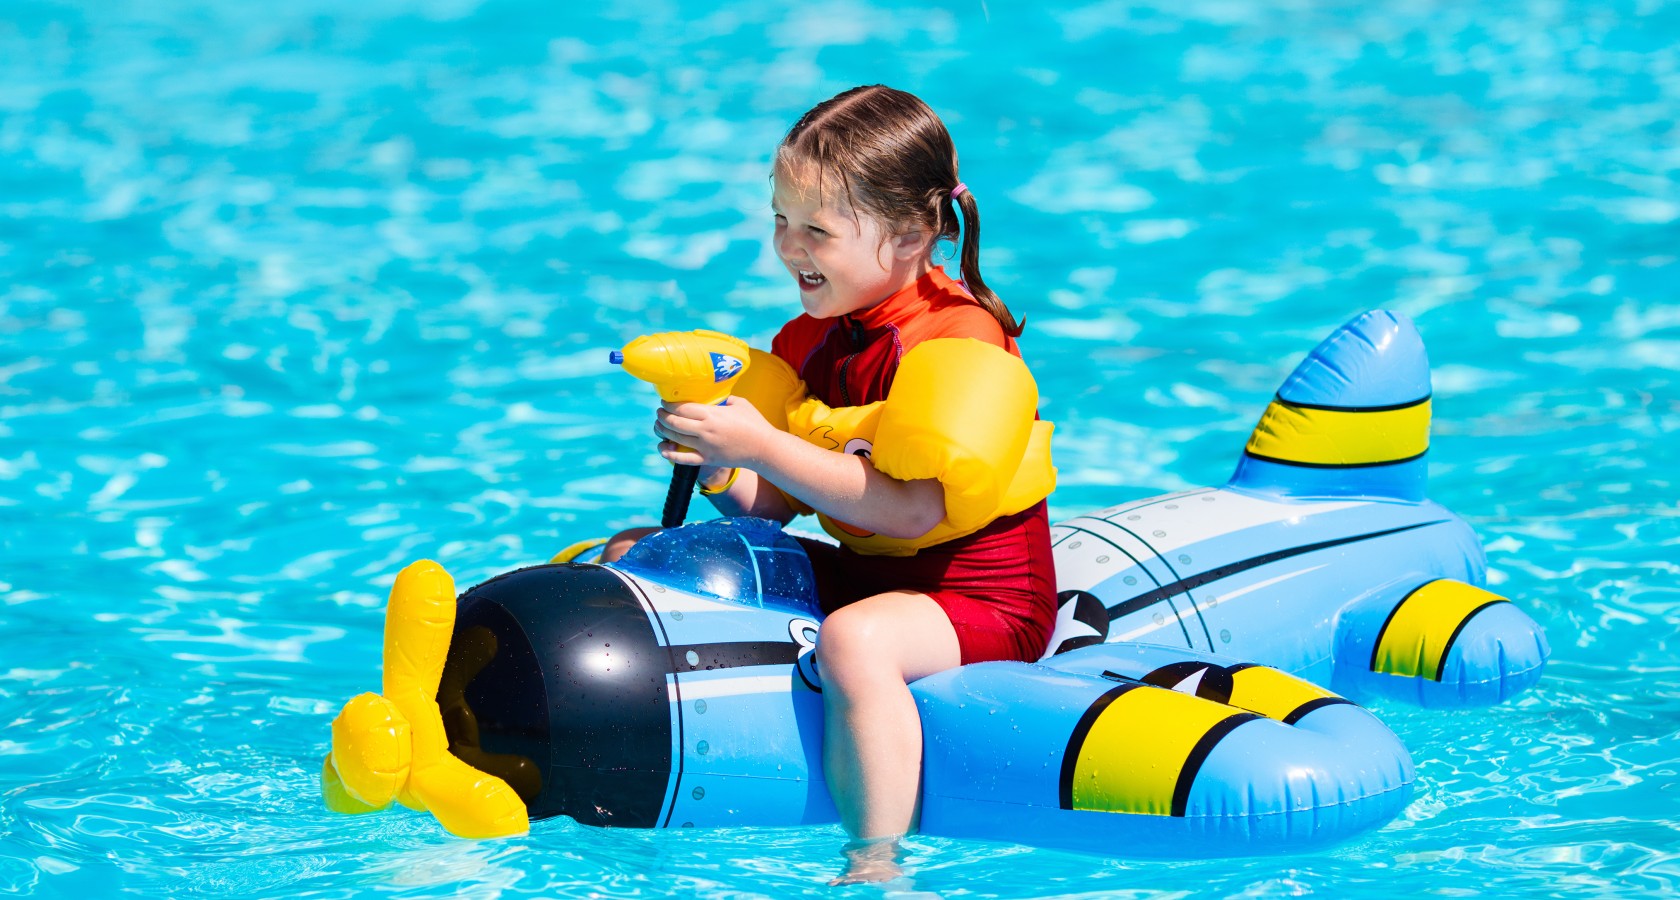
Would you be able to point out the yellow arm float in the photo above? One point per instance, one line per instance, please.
(394, 746)
(960, 410)
(771, 386)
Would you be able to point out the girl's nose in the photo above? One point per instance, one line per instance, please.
(789, 247)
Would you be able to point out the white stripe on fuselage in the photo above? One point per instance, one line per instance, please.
(1222, 598)
(1170, 524)
(708, 688)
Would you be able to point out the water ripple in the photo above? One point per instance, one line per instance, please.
(289, 298)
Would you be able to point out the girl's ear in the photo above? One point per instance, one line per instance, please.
(911, 245)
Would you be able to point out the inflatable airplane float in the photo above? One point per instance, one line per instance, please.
(1191, 702)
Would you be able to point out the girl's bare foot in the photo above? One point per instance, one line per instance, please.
(870, 861)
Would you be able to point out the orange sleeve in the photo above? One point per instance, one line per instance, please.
(969, 320)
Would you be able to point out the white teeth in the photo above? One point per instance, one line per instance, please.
(810, 277)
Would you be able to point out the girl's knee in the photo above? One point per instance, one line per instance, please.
(850, 648)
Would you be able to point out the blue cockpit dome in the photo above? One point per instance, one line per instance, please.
(743, 560)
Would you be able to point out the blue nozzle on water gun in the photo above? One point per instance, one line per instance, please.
(616, 357)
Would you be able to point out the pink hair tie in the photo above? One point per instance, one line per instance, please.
(958, 191)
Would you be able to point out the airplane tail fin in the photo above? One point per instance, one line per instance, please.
(1352, 420)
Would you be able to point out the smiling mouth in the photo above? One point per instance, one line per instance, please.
(810, 279)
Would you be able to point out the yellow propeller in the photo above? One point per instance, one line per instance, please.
(392, 745)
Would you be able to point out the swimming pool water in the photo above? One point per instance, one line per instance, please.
(291, 294)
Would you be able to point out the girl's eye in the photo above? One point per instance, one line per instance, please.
(817, 231)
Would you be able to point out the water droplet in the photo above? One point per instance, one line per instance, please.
(1133, 518)
(1184, 557)
(688, 824)
(1160, 534)
(1131, 580)
(1160, 619)
(692, 657)
(1102, 559)
(702, 748)
(698, 793)
(700, 707)
(1224, 636)
(1172, 506)
(676, 614)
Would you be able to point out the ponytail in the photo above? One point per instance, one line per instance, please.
(969, 253)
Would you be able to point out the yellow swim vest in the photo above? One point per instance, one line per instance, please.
(959, 410)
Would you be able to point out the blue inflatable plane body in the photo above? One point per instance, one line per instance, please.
(1321, 556)
(1193, 700)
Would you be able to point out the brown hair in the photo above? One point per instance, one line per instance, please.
(896, 161)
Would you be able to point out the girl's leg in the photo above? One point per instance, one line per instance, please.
(620, 544)
(867, 653)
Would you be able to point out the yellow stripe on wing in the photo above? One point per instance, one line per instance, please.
(1419, 633)
(1138, 750)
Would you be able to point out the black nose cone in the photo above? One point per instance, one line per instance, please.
(557, 683)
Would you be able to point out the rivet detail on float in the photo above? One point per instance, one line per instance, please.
(1420, 632)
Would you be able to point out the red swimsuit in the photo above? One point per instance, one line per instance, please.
(997, 585)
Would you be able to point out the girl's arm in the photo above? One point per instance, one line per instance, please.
(750, 495)
(842, 485)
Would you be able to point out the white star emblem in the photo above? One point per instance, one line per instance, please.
(1067, 627)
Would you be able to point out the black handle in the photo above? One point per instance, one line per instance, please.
(676, 499)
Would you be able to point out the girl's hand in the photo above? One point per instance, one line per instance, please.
(730, 434)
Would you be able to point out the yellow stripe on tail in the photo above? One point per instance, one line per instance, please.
(1306, 435)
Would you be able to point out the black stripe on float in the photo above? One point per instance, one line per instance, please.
(1183, 585)
(733, 654)
(1382, 632)
(1308, 465)
(1313, 706)
(1076, 740)
(1441, 667)
(1199, 755)
(1353, 409)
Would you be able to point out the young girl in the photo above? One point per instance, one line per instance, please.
(865, 185)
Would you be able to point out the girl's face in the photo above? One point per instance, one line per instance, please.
(842, 262)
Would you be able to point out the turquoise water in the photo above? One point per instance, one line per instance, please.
(291, 294)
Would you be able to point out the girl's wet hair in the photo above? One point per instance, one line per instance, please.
(893, 159)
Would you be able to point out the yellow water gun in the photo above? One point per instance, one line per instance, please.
(685, 367)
